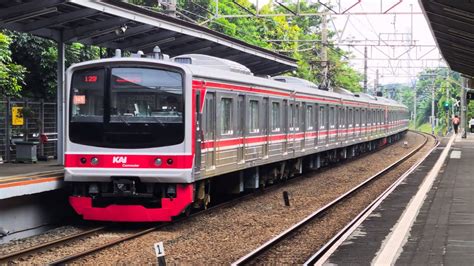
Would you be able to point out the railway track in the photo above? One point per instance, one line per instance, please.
(65, 240)
(5, 259)
(257, 256)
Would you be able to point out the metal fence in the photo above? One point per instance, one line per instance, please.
(43, 122)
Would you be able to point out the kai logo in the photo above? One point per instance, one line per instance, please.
(119, 159)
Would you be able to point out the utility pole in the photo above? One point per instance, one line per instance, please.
(432, 108)
(465, 85)
(170, 7)
(324, 50)
(448, 99)
(376, 83)
(365, 69)
(414, 105)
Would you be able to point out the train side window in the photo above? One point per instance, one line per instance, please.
(322, 120)
(350, 117)
(356, 118)
(309, 117)
(342, 114)
(226, 116)
(276, 120)
(209, 116)
(240, 118)
(332, 115)
(253, 117)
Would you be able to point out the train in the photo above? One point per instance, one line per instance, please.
(150, 138)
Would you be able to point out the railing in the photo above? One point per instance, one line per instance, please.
(44, 123)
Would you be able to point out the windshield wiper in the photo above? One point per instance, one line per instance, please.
(158, 121)
(123, 120)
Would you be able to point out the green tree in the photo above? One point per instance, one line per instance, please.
(40, 56)
(11, 74)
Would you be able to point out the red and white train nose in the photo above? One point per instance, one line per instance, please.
(170, 207)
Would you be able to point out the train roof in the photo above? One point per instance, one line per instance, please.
(295, 86)
(220, 70)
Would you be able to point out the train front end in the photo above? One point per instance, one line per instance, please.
(128, 151)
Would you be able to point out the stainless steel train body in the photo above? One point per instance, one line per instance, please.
(145, 137)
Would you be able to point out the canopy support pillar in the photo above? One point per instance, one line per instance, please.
(60, 100)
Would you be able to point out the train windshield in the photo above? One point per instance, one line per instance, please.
(127, 107)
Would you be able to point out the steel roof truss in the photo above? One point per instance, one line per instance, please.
(60, 19)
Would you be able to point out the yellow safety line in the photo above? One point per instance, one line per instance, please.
(32, 175)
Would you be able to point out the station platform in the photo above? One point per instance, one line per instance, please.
(25, 179)
(428, 219)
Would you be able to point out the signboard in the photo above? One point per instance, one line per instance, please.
(160, 253)
(470, 95)
(79, 99)
(159, 249)
(17, 116)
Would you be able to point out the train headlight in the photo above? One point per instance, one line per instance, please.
(83, 160)
(158, 161)
(169, 161)
(94, 161)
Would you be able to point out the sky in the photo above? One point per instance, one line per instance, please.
(381, 31)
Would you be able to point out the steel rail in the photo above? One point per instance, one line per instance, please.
(322, 211)
(5, 259)
(76, 256)
(323, 253)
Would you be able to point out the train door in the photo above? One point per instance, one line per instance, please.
(369, 122)
(356, 122)
(297, 127)
(266, 122)
(363, 122)
(323, 124)
(285, 126)
(197, 134)
(316, 124)
(350, 123)
(341, 114)
(309, 125)
(291, 127)
(209, 128)
(332, 130)
(303, 126)
(241, 128)
(253, 146)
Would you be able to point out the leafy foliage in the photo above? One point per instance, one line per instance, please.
(11, 74)
(446, 85)
(39, 56)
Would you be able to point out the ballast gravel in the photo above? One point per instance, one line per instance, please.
(297, 248)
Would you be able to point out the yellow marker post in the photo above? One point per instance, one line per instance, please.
(17, 116)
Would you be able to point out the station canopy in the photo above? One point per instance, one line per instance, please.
(452, 24)
(118, 25)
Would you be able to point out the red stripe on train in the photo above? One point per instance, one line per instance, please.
(129, 161)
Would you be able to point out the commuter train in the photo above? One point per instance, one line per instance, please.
(150, 138)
